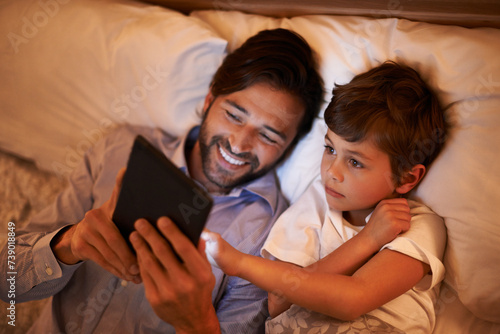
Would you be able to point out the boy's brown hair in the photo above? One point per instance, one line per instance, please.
(393, 106)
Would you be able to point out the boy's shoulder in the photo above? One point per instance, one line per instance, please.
(419, 208)
(424, 218)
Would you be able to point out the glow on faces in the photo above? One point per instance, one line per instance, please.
(244, 133)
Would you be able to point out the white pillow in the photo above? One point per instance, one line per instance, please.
(71, 70)
(462, 185)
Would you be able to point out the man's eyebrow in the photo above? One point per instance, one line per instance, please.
(278, 133)
(237, 106)
(243, 110)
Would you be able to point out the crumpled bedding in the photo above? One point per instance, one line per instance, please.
(24, 191)
(298, 320)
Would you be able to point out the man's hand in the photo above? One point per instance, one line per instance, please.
(390, 218)
(97, 238)
(221, 254)
(179, 291)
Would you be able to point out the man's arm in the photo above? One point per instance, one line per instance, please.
(39, 273)
(97, 238)
(42, 272)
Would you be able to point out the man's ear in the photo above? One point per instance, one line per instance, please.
(411, 179)
(209, 99)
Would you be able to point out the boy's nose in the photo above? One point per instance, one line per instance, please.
(335, 171)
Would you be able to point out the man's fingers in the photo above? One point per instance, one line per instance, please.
(147, 261)
(87, 251)
(147, 264)
(102, 234)
(172, 242)
(157, 245)
(183, 246)
(115, 239)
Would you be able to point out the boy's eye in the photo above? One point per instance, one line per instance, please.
(330, 150)
(355, 163)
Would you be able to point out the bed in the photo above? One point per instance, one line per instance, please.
(73, 70)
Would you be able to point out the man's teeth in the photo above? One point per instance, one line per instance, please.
(229, 159)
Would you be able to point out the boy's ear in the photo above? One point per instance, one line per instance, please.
(411, 179)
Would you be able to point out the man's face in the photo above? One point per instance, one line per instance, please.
(244, 134)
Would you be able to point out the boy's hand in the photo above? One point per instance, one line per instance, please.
(221, 254)
(390, 218)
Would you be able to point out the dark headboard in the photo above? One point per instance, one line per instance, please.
(468, 13)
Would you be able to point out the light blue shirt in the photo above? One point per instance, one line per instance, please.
(89, 299)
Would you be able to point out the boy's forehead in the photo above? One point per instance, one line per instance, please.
(366, 147)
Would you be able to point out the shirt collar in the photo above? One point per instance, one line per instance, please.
(266, 187)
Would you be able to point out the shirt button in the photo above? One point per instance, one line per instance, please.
(124, 283)
(49, 271)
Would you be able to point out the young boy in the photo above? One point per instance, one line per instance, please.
(385, 129)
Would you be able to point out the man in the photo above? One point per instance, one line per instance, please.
(263, 98)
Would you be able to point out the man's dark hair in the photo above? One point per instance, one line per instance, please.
(280, 58)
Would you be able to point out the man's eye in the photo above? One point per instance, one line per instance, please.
(268, 139)
(330, 150)
(232, 116)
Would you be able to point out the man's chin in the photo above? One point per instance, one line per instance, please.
(225, 185)
(228, 183)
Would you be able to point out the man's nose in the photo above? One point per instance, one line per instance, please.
(241, 141)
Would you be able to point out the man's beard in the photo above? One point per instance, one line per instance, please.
(219, 176)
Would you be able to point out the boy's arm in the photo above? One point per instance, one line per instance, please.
(390, 218)
(384, 277)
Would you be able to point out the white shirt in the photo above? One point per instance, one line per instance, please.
(309, 230)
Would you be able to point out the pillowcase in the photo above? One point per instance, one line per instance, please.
(72, 70)
(462, 184)
(462, 66)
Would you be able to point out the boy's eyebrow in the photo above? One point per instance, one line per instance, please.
(243, 110)
(361, 155)
(351, 152)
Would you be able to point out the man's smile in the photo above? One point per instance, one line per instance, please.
(230, 159)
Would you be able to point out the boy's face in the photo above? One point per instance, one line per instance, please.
(245, 133)
(356, 175)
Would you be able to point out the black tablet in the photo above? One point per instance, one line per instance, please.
(153, 187)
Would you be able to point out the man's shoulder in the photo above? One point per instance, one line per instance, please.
(124, 135)
(124, 132)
